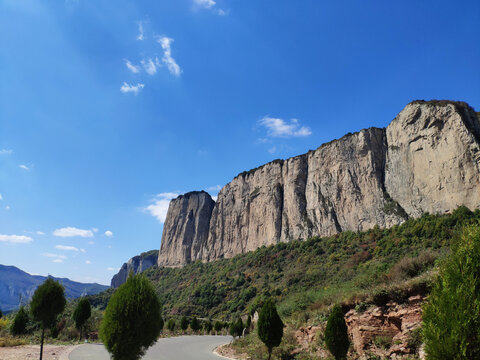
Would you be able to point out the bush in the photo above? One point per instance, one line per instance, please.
(451, 316)
(195, 325)
(184, 323)
(171, 325)
(132, 320)
(336, 335)
(19, 324)
(381, 298)
(236, 328)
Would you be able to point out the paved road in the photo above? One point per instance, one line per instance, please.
(176, 348)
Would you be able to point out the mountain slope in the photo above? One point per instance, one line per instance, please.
(17, 285)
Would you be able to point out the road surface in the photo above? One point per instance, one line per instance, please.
(176, 348)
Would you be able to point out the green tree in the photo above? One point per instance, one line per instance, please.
(82, 313)
(19, 325)
(132, 321)
(171, 325)
(249, 322)
(218, 326)
(336, 335)
(195, 324)
(208, 326)
(451, 316)
(236, 328)
(47, 302)
(184, 323)
(270, 326)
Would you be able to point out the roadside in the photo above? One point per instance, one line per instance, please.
(26, 352)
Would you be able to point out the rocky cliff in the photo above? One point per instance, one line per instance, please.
(137, 264)
(426, 160)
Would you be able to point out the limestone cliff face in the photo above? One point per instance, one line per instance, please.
(433, 157)
(186, 228)
(334, 188)
(137, 264)
(428, 159)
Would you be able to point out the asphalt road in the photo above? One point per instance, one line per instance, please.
(176, 348)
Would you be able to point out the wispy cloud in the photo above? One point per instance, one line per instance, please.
(88, 262)
(207, 4)
(72, 232)
(159, 206)
(127, 88)
(149, 66)
(66, 248)
(272, 150)
(57, 261)
(167, 58)
(51, 255)
(108, 233)
(15, 239)
(140, 35)
(40, 233)
(6, 151)
(7, 207)
(24, 167)
(215, 188)
(110, 269)
(133, 68)
(279, 128)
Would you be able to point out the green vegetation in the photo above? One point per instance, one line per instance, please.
(306, 277)
(236, 328)
(336, 335)
(47, 303)
(19, 325)
(195, 325)
(132, 321)
(184, 323)
(81, 314)
(451, 317)
(270, 326)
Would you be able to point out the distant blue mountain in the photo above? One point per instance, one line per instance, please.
(17, 285)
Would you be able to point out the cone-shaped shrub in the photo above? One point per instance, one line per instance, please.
(336, 335)
(270, 326)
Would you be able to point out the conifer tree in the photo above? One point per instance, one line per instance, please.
(270, 326)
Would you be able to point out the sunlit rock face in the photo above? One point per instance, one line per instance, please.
(427, 159)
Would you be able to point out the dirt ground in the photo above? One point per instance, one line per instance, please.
(27, 352)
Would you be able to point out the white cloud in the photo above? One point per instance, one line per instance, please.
(66, 248)
(72, 231)
(108, 233)
(133, 68)
(140, 35)
(91, 243)
(95, 230)
(50, 255)
(215, 188)
(6, 151)
(88, 262)
(40, 233)
(207, 4)
(58, 261)
(15, 239)
(272, 150)
(280, 128)
(222, 12)
(1, 197)
(214, 198)
(127, 88)
(24, 167)
(159, 208)
(167, 58)
(110, 269)
(149, 66)
(83, 250)
(7, 207)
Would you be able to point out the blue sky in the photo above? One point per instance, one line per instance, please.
(110, 108)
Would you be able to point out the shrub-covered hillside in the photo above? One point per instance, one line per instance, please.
(312, 273)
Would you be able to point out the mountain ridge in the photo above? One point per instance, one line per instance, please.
(18, 286)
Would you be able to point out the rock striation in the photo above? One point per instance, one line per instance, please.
(426, 160)
(137, 264)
